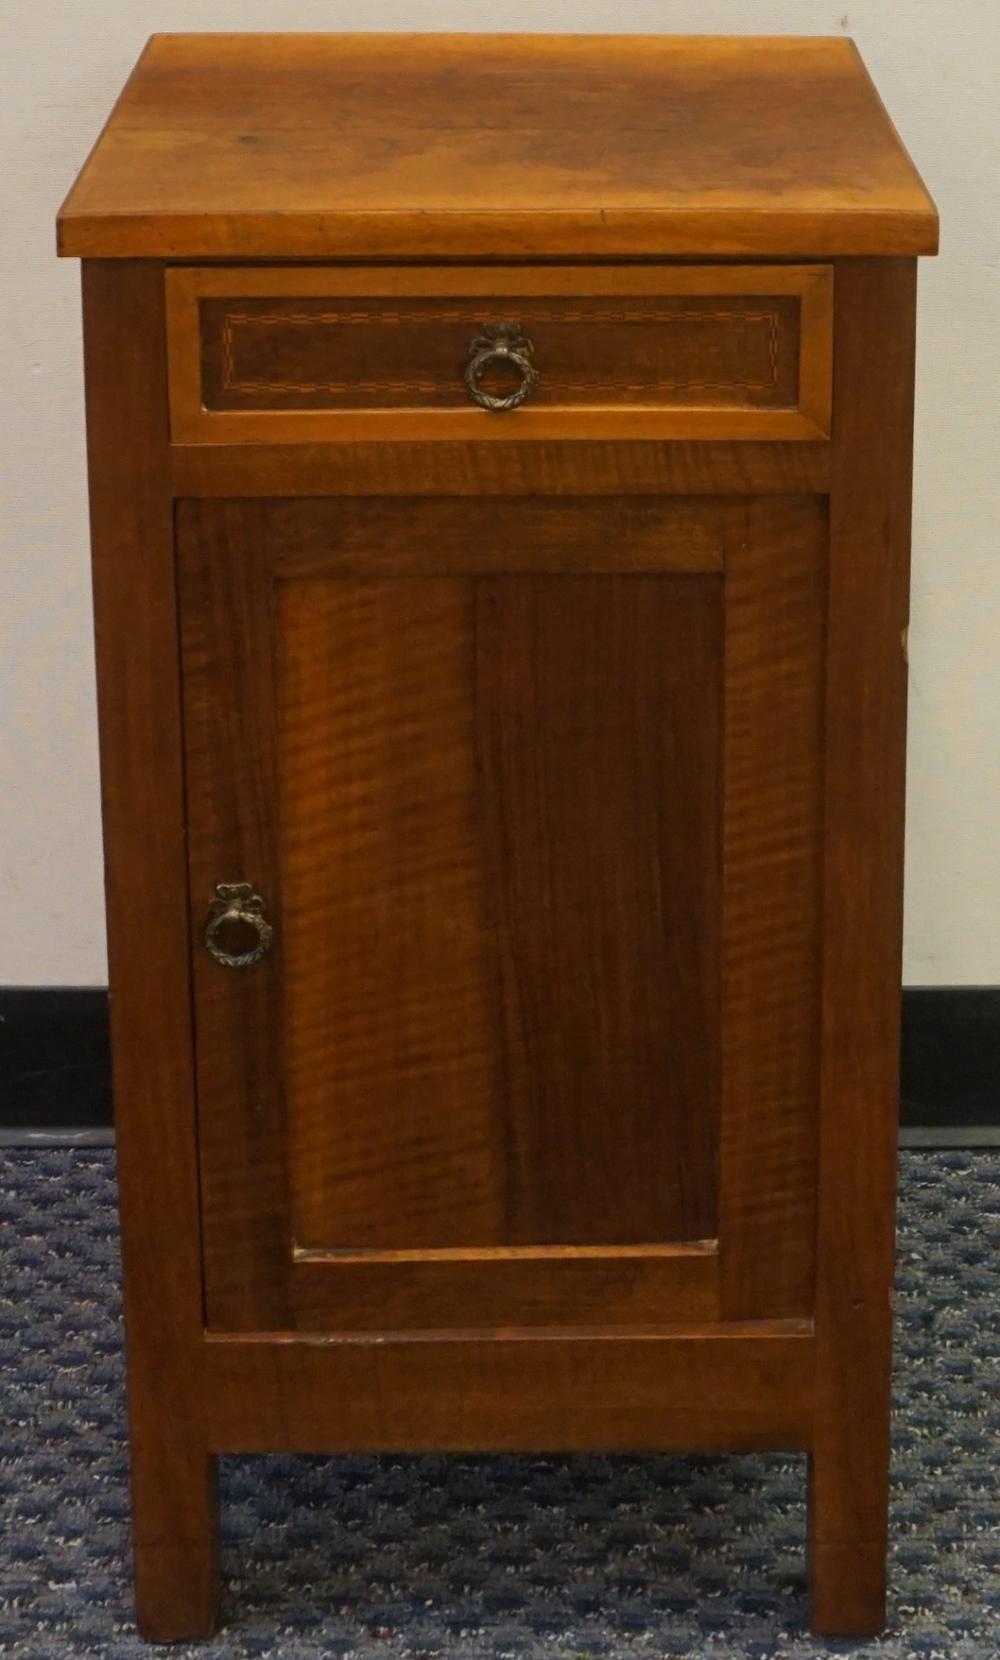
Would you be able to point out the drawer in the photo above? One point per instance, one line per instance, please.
(313, 354)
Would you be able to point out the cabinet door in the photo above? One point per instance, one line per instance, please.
(528, 791)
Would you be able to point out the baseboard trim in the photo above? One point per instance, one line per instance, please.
(56, 1138)
(924, 1136)
(55, 1074)
(55, 1066)
(951, 1058)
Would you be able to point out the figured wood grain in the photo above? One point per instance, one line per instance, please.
(499, 146)
(519, 1392)
(865, 752)
(596, 468)
(665, 351)
(341, 729)
(600, 801)
(564, 535)
(500, 988)
(390, 1061)
(776, 585)
(174, 1520)
(227, 637)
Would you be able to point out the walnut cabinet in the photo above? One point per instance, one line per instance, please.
(500, 473)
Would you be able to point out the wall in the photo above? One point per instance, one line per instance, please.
(935, 64)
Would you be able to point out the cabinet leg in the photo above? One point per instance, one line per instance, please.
(175, 1534)
(847, 1547)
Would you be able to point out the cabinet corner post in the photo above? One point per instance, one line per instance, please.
(131, 517)
(865, 757)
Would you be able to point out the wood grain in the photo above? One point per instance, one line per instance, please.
(599, 1286)
(390, 1058)
(499, 992)
(357, 353)
(227, 636)
(174, 1523)
(600, 798)
(739, 1387)
(529, 469)
(482, 986)
(311, 146)
(565, 751)
(776, 582)
(565, 535)
(667, 351)
(865, 751)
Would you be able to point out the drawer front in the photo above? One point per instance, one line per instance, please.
(723, 352)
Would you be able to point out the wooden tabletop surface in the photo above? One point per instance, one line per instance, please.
(497, 146)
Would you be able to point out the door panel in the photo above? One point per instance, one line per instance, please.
(477, 1080)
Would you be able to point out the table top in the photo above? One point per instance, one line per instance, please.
(497, 146)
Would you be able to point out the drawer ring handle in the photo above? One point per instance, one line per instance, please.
(236, 906)
(505, 344)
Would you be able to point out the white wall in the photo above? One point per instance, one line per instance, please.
(936, 64)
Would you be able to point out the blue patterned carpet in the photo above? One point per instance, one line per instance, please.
(491, 1557)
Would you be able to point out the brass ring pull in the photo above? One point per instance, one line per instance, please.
(237, 912)
(503, 344)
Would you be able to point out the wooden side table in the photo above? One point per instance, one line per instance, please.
(500, 477)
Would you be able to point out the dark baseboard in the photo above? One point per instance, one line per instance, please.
(55, 1069)
(951, 1056)
(55, 1072)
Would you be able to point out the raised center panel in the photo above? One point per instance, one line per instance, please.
(499, 837)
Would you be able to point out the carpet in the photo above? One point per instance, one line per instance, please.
(467, 1558)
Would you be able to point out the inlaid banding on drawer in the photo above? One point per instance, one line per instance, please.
(685, 352)
(321, 354)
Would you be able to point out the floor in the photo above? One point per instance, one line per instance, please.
(491, 1557)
